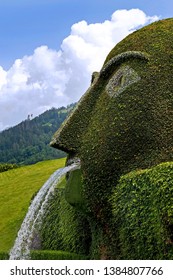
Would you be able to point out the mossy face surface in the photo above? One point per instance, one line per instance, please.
(143, 213)
(123, 122)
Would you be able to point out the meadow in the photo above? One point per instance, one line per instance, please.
(17, 188)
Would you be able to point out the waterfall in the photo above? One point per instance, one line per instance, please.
(21, 248)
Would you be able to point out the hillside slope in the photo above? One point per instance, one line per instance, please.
(17, 188)
(28, 142)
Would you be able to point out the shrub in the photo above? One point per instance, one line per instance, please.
(143, 213)
(6, 166)
(4, 256)
(64, 227)
(55, 255)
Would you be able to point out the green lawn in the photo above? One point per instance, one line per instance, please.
(17, 187)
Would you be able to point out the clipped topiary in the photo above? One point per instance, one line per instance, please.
(63, 227)
(143, 213)
(122, 123)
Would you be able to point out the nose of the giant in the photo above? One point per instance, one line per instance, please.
(66, 138)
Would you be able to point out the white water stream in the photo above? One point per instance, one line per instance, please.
(21, 248)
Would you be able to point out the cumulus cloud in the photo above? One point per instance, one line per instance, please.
(53, 78)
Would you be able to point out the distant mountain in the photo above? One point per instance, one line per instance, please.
(28, 142)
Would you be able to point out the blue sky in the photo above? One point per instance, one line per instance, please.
(27, 24)
(40, 37)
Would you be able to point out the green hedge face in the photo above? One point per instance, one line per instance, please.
(124, 120)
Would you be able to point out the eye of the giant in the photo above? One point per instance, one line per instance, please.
(122, 79)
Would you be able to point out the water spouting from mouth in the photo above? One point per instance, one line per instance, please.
(23, 242)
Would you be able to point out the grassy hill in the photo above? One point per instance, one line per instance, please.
(28, 142)
(17, 187)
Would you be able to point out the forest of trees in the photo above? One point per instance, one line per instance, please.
(28, 142)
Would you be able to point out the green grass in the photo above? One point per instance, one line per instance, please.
(17, 187)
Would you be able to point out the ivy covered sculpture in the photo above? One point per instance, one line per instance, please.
(122, 132)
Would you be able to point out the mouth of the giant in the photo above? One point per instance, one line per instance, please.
(73, 162)
(74, 185)
(73, 159)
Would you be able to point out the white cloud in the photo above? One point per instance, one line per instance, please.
(51, 78)
(3, 75)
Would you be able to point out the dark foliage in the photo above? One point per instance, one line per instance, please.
(6, 166)
(4, 256)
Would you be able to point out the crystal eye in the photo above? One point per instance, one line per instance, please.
(123, 78)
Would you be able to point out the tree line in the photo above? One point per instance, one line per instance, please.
(28, 142)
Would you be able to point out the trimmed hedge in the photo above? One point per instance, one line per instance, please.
(122, 123)
(64, 227)
(140, 221)
(55, 255)
(129, 132)
(143, 213)
(4, 256)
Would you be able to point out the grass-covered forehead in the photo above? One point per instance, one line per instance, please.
(114, 62)
(153, 39)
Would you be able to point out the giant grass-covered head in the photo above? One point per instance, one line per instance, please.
(124, 121)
